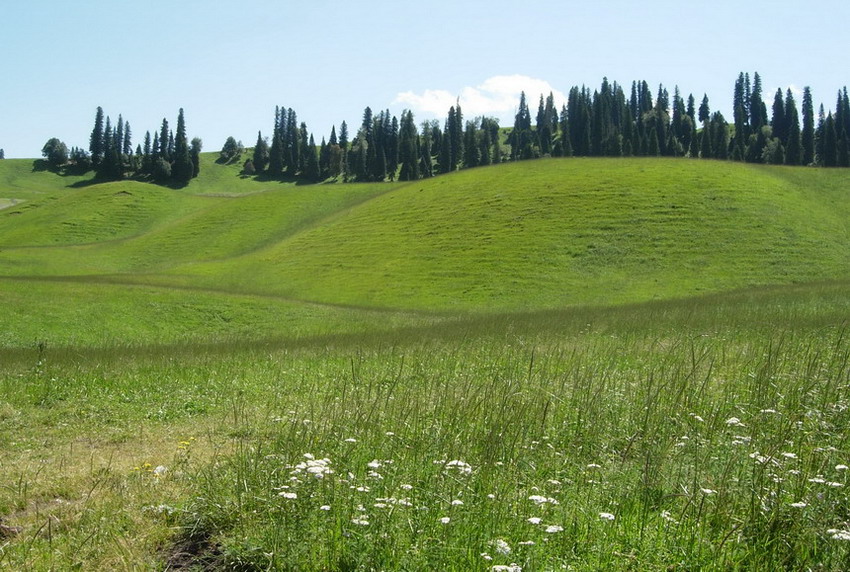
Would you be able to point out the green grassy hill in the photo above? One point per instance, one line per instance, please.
(515, 237)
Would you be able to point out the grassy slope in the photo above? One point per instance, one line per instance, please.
(556, 233)
(516, 237)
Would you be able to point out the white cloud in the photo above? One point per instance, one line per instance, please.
(497, 96)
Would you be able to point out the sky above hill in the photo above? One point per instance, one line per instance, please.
(228, 64)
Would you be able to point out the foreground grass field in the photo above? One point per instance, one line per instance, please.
(558, 365)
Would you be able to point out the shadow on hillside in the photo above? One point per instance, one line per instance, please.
(41, 165)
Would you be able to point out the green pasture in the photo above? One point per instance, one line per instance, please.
(555, 364)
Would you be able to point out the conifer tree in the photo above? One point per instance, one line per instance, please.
(128, 140)
(471, 149)
(793, 140)
(312, 161)
(163, 142)
(276, 156)
(409, 153)
(830, 143)
(808, 134)
(195, 153)
(96, 139)
(182, 168)
(261, 153)
(779, 123)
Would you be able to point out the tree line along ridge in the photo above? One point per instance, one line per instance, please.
(602, 123)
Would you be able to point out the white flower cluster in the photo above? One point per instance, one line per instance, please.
(314, 467)
(459, 466)
(540, 499)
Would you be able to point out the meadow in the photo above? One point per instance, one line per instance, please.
(562, 364)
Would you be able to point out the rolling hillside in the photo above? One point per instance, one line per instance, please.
(515, 237)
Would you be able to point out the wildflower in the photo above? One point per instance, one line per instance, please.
(405, 487)
(160, 471)
(540, 499)
(491, 496)
(362, 489)
(288, 495)
(459, 466)
(708, 491)
(325, 507)
(606, 516)
(457, 502)
(799, 504)
(512, 567)
(841, 467)
(351, 440)
(594, 466)
(554, 482)
(502, 547)
(318, 468)
(734, 421)
(389, 434)
(534, 519)
(360, 521)
(789, 455)
(697, 417)
(374, 475)
(445, 520)
(665, 514)
(374, 464)
(839, 534)
(817, 480)
(526, 543)
(486, 556)
(554, 528)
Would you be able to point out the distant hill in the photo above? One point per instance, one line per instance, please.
(544, 234)
(539, 234)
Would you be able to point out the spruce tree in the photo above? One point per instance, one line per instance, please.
(261, 153)
(808, 135)
(830, 143)
(312, 161)
(195, 153)
(96, 139)
(793, 140)
(182, 168)
(779, 123)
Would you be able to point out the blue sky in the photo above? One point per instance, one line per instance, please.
(229, 63)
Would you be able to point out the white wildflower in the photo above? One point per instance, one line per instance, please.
(360, 521)
(445, 520)
(540, 499)
(606, 516)
(405, 487)
(501, 546)
(594, 466)
(696, 417)
(288, 495)
(160, 471)
(512, 567)
(841, 467)
(554, 528)
(486, 556)
(837, 534)
(734, 421)
(788, 455)
(708, 491)
(555, 482)
(491, 496)
(800, 504)
(457, 502)
(459, 466)
(325, 507)
(534, 519)
(389, 434)
(374, 464)
(351, 440)
(526, 543)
